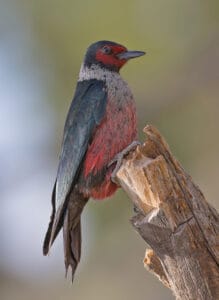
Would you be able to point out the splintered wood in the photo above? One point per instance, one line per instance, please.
(174, 219)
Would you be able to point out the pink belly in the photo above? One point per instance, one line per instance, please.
(116, 132)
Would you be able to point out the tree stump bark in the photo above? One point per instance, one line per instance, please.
(174, 219)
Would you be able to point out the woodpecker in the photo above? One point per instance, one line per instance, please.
(101, 123)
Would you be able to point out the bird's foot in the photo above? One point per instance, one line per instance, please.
(119, 157)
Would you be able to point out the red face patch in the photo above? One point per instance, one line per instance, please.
(108, 55)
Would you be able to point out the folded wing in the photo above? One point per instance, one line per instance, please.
(85, 114)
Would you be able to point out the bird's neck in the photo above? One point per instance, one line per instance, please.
(117, 88)
(97, 72)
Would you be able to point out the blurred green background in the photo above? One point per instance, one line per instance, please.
(176, 86)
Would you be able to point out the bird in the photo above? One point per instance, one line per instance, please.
(100, 125)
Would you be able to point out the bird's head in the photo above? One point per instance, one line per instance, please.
(109, 55)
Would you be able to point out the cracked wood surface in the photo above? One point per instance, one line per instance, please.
(174, 218)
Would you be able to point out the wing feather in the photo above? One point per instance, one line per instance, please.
(85, 113)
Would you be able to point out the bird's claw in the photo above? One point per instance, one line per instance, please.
(119, 157)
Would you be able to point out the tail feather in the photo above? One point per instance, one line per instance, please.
(72, 232)
(72, 246)
(68, 216)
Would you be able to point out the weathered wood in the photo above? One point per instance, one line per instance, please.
(153, 264)
(174, 219)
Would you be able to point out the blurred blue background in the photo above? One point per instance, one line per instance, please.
(176, 87)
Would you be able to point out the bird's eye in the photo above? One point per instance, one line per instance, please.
(106, 50)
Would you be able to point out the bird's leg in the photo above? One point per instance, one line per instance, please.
(119, 157)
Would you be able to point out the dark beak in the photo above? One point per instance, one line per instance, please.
(130, 54)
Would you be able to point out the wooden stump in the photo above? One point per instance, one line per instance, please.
(174, 219)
